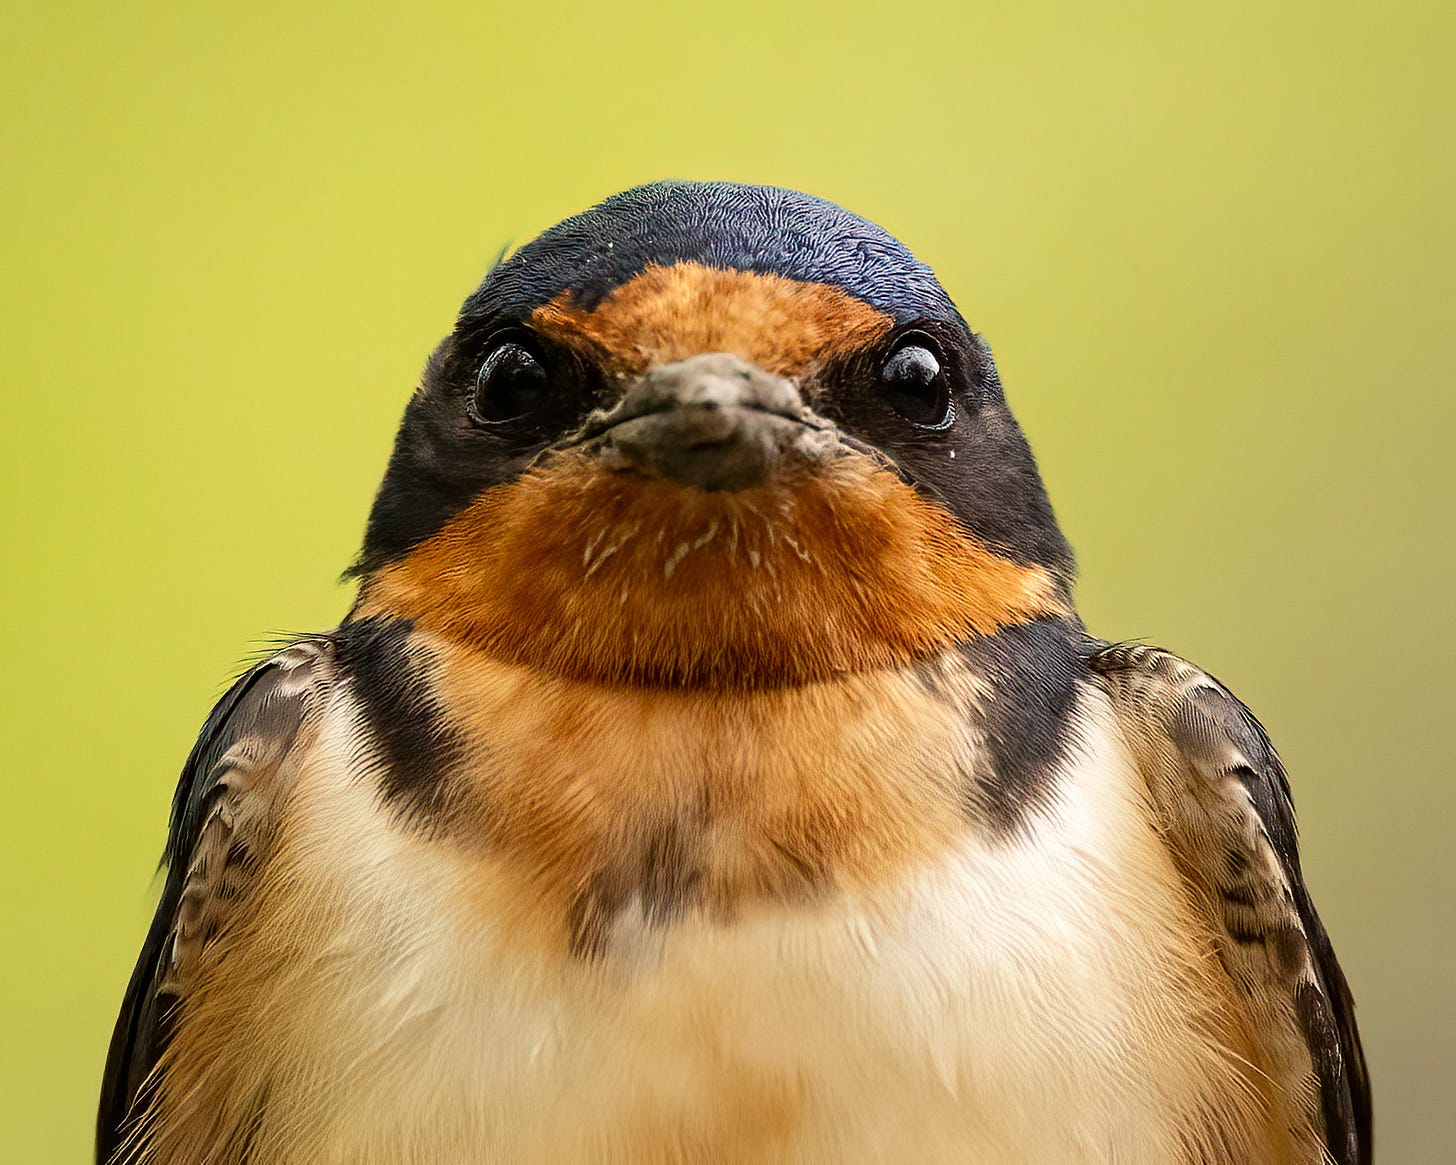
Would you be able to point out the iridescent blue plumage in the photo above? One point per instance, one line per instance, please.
(727, 225)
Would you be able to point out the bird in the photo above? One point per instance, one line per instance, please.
(713, 766)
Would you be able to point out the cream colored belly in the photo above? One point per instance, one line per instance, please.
(1031, 1000)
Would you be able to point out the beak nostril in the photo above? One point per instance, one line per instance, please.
(712, 421)
(711, 382)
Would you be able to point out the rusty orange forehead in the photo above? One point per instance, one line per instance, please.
(784, 326)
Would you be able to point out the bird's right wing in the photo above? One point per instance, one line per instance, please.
(223, 815)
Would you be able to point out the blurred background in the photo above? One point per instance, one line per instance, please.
(1211, 244)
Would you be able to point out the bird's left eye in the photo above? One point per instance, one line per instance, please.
(914, 381)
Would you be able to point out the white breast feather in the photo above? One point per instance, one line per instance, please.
(1019, 1000)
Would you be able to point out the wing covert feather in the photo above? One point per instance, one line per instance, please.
(1222, 802)
(222, 814)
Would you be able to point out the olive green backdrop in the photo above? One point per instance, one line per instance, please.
(1211, 244)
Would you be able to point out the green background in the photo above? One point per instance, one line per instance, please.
(1211, 243)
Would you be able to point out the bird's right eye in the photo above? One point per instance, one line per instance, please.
(512, 384)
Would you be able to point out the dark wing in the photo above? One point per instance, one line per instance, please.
(1222, 803)
(222, 814)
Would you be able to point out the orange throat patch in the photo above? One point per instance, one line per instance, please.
(614, 577)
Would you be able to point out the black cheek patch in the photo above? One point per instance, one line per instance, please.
(991, 484)
(412, 743)
(439, 464)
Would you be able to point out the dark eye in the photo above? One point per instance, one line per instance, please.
(512, 384)
(915, 383)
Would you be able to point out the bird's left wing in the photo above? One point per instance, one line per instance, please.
(222, 815)
(1222, 803)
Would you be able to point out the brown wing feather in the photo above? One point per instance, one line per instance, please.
(222, 816)
(1223, 805)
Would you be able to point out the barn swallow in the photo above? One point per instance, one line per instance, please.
(713, 767)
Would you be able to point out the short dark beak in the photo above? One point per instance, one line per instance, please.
(712, 422)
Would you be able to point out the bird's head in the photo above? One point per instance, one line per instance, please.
(710, 434)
